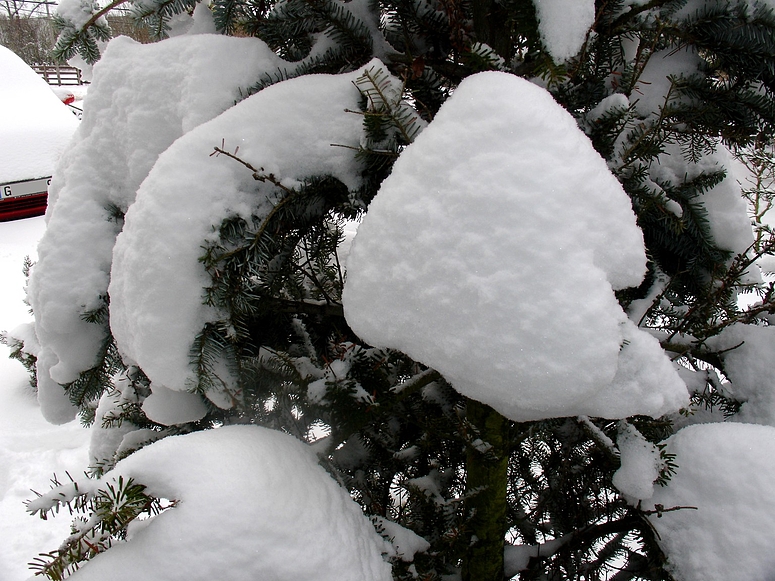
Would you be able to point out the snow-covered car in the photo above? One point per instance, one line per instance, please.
(35, 127)
(65, 94)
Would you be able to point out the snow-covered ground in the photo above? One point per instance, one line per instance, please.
(31, 449)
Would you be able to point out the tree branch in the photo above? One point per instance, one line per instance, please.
(100, 13)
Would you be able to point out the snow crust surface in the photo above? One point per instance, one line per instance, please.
(726, 471)
(142, 99)
(36, 126)
(252, 502)
(491, 254)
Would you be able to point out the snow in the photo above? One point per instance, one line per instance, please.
(36, 126)
(640, 464)
(563, 25)
(200, 22)
(251, 501)
(31, 449)
(726, 208)
(79, 12)
(615, 102)
(169, 407)
(725, 471)
(156, 285)
(747, 356)
(472, 261)
(654, 88)
(517, 557)
(406, 544)
(142, 99)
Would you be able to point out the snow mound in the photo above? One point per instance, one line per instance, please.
(252, 502)
(142, 99)
(491, 254)
(726, 471)
(36, 126)
(157, 280)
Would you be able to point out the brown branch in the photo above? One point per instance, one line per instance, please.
(309, 308)
(257, 173)
(100, 13)
(634, 11)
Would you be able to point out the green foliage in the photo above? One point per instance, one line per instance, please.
(17, 352)
(155, 15)
(108, 510)
(16, 345)
(82, 41)
(386, 112)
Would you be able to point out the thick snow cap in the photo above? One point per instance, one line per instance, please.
(253, 502)
(491, 254)
(143, 98)
(157, 280)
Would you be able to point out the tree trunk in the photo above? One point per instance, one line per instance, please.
(490, 21)
(487, 472)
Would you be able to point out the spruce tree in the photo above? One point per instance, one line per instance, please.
(408, 447)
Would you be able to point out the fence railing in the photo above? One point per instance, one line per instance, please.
(59, 74)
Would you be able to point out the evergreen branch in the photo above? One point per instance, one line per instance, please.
(588, 536)
(659, 509)
(635, 10)
(18, 352)
(307, 307)
(110, 509)
(651, 134)
(93, 382)
(599, 437)
(374, 84)
(412, 386)
(310, 275)
(720, 289)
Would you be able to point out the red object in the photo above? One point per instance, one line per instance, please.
(23, 207)
(69, 99)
